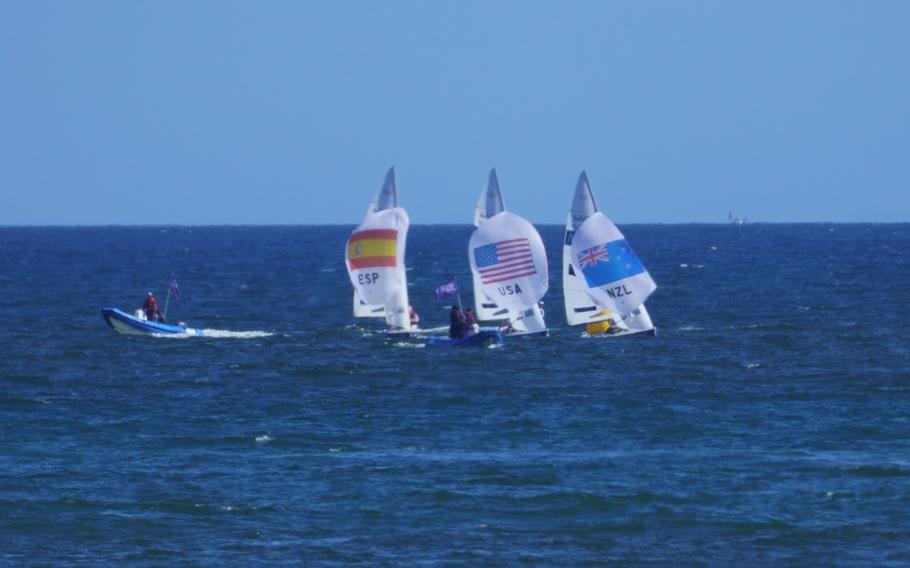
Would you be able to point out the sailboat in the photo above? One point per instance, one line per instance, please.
(603, 282)
(374, 256)
(736, 220)
(502, 295)
(488, 204)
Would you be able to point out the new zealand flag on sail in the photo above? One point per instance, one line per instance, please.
(609, 262)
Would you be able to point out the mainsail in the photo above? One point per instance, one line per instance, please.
(602, 277)
(374, 256)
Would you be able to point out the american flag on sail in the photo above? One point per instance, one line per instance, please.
(505, 260)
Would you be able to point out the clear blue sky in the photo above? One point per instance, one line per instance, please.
(291, 112)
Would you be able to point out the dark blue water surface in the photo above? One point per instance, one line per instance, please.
(768, 422)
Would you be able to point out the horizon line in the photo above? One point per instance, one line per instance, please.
(157, 225)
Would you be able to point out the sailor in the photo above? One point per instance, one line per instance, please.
(412, 315)
(470, 319)
(150, 307)
(457, 326)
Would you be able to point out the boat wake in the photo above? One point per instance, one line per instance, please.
(431, 330)
(218, 334)
(223, 333)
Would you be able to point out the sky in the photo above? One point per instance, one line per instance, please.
(290, 112)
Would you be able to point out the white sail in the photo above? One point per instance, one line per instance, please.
(365, 310)
(582, 307)
(638, 320)
(615, 277)
(508, 257)
(489, 204)
(374, 256)
(526, 320)
(490, 201)
(387, 196)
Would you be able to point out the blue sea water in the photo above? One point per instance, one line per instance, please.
(767, 423)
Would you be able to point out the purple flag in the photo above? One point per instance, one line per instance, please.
(450, 288)
(174, 289)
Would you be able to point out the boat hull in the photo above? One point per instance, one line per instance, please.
(482, 338)
(652, 332)
(541, 333)
(125, 324)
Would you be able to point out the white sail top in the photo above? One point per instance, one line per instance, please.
(508, 258)
(490, 201)
(602, 258)
(387, 196)
(583, 204)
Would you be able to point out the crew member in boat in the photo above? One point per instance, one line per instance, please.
(412, 315)
(470, 319)
(150, 307)
(457, 326)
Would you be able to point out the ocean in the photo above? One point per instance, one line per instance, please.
(768, 422)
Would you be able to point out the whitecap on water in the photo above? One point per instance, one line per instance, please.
(224, 333)
(265, 438)
(217, 334)
(409, 345)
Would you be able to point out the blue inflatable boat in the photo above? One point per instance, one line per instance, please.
(481, 338)
(125, 324)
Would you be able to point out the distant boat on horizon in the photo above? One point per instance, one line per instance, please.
(736, 220)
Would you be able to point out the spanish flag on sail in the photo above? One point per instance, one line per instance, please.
(373, 248)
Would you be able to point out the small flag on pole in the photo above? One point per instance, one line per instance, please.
(174, 289)
(450, 288)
